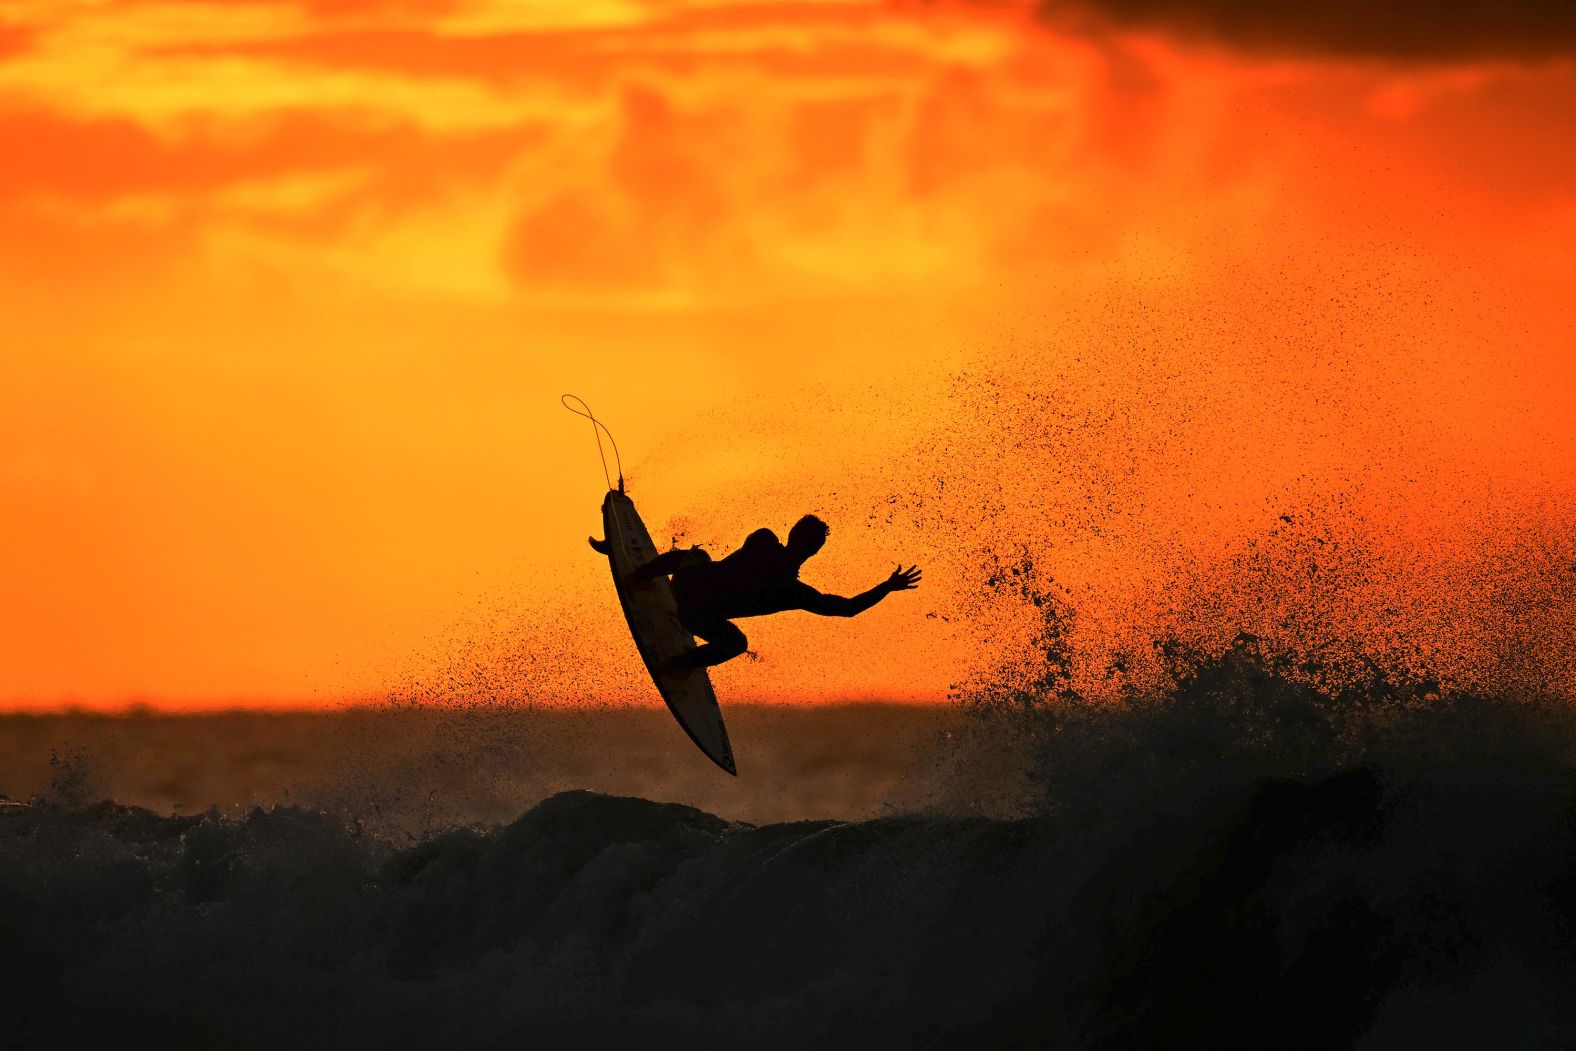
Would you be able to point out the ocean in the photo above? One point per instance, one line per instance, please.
(1249, 859)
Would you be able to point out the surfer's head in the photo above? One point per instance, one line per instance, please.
(807, 537)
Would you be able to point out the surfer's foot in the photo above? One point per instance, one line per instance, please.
(599, 546)
(675, 665)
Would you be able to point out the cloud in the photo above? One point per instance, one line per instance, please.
(15, 40)
(1421, 30)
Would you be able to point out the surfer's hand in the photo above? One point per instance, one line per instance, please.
(903, 579)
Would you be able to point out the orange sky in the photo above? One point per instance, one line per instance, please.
(288, 292)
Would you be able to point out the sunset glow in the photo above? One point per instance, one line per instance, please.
(289, 291)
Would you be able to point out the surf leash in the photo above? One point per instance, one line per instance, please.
(598, 428)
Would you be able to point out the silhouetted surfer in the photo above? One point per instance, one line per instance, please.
(761, 577)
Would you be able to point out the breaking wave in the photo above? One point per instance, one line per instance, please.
(1254, 873)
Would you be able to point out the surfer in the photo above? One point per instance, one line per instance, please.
(760, 578)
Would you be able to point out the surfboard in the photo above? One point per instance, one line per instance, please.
(653, 618)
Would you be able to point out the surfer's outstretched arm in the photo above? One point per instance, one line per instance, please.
(838, 606)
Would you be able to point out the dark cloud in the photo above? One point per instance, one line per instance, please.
(1406, 29)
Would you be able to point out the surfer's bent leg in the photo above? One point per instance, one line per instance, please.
(724, 641)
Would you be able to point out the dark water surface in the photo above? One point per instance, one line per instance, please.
(1242, 863)
(416, 770)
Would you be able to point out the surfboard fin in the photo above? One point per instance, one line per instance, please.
(599, 546)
